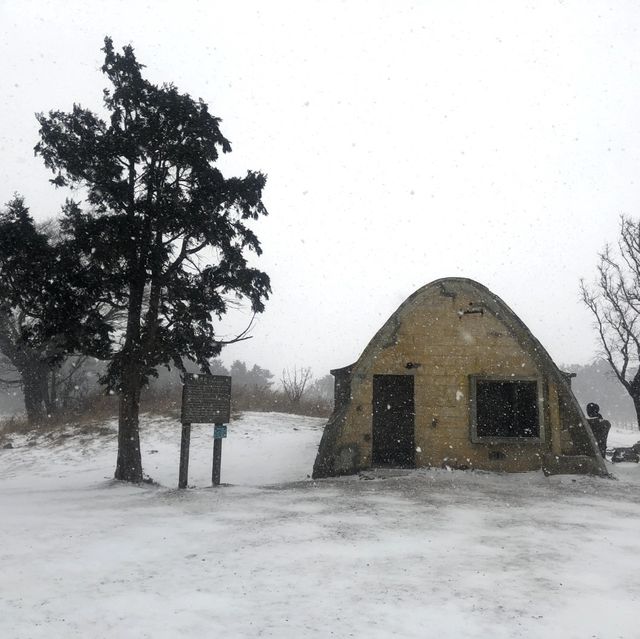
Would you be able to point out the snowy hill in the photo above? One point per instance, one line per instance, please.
(425, 553)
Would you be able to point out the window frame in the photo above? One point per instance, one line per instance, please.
(473, 410)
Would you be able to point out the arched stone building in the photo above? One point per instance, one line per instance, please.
(455, 378)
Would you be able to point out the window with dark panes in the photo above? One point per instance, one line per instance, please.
(506, 409)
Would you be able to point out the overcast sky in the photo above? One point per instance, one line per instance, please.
(403, 142)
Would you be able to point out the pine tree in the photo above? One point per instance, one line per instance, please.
(46, 311)
(165, 234)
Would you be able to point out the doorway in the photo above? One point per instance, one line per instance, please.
(393, 421)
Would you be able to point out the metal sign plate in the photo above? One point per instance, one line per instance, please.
(206, 399)
(219, 432)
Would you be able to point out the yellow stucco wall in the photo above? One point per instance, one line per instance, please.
(450, 347)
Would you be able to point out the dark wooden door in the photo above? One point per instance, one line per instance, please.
(393, 421)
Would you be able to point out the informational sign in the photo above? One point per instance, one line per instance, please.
(219, 431)
(206, 399)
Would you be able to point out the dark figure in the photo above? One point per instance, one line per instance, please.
(599, 427)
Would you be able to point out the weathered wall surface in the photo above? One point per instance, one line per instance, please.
(433, 330)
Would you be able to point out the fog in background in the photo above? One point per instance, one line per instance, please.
(403, 142)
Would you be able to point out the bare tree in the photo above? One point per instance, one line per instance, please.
(295, 382)
(614, 301)
(322, 388)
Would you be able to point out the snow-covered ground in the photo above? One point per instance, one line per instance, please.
(425, 553)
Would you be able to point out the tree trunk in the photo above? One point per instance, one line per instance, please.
(129, 463)
(51, 399)
(636, 404)
(34, 382)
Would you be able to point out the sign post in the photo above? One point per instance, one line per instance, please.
(217, 460)
(184, 456)
(219, 433)
(205, 399)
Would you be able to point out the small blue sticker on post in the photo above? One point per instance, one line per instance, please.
(219, 432)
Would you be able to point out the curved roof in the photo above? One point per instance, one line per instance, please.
(450, 287)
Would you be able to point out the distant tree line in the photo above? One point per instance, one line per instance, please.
(81, 396)
(255, 388)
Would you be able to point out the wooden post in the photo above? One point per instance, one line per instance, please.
(183, 475)
(217, 459)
